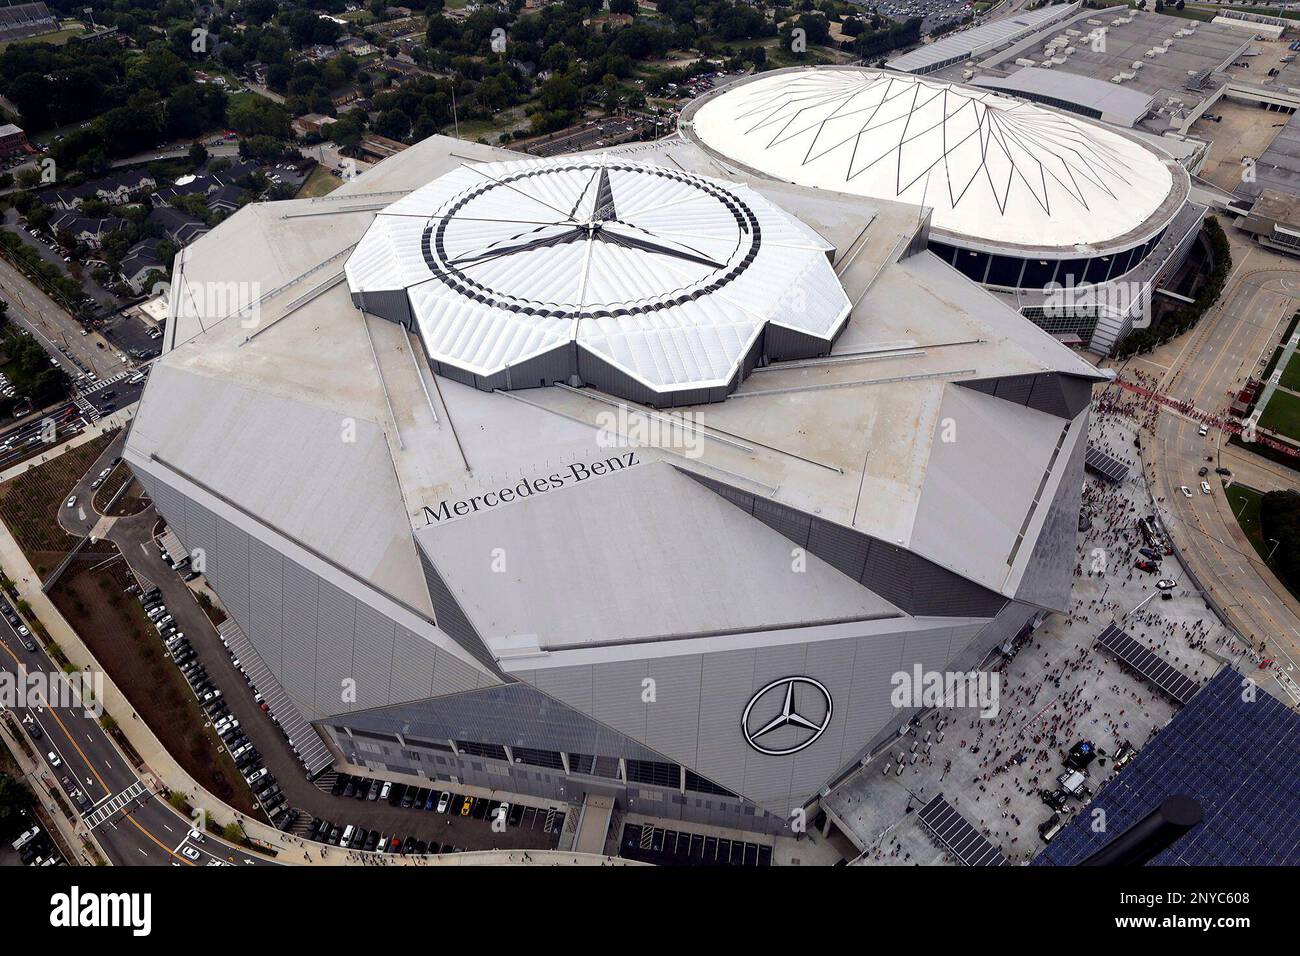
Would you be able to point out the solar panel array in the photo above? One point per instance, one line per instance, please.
(958, 836)
(1110, 468)
(1148, 665)
(1239, 758)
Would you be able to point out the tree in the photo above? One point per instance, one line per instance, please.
(198, 154)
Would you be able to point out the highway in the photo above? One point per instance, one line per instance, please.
(134, 826)
(1215, 360)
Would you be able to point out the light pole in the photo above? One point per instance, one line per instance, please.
(1274, 548)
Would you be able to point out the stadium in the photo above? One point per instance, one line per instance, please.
(1022, 198)
(628, 473)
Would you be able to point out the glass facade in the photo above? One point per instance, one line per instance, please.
(1013, 272)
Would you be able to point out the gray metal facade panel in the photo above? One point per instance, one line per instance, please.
(451, 675)
(300, 591)
(573, 685)
(1076, 392)
(450, 616)
(726, 684)
(867, 707)
(790, 522)
(1047, 577)
(927, 648)
(902, 577)
(201, 539)
(841, 548)
(765, 774)
(617, 690)
(172, 505)
(1046, 396)
(391, 305)
(336, 622)
(514, 715)
(266, 571)
(673, 720)
(373, 657)
(413, 665)
(232, 558)
(832, 663)
(1014, 388)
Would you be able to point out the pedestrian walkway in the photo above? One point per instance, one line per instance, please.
(110, 805)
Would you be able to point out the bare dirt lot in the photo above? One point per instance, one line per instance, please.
(90, 596)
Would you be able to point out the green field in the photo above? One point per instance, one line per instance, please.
(321, 182)
(1245, 505)
(1282, 415)
(1291, 374)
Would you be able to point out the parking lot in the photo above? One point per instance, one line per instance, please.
(429, 820)
(664, 847)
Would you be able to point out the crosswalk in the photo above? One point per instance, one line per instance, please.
(114, 803)
(88, 411)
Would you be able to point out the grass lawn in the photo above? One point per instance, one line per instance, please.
(56, 37)
(321, 182)
(1245, 505)
(1291, 374)
(30, 502)
(1282, 415)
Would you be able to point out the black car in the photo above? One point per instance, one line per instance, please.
(409, 845)
(395, 795)
(363, 788)
(350, 789)
(408, 798)
(359, 837)
(340, 782)
(421, 798)
(1223, 471)
(1150, 553)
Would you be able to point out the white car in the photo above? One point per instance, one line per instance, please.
(1202, 430)
(1187, 492)
(1205, 487)
(1166, 584)
(189, 853)
(196, 836)
(444, 801)
(72, 502)
(54, 759)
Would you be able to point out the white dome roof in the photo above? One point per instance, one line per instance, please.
(667, 276)
(992, 168)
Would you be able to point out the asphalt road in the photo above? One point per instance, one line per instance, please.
(1215, 360)
(53, 327)
(134, 826)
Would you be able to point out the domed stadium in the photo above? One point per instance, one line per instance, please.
(1021, 196)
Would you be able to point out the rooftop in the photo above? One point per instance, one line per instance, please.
(991, 167)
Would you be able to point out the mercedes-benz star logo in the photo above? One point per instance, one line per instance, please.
(807, 714)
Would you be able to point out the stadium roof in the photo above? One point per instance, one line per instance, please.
(1124, 105)
(668, 276)
(244, 411)
(976, 40)
(992, 168)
